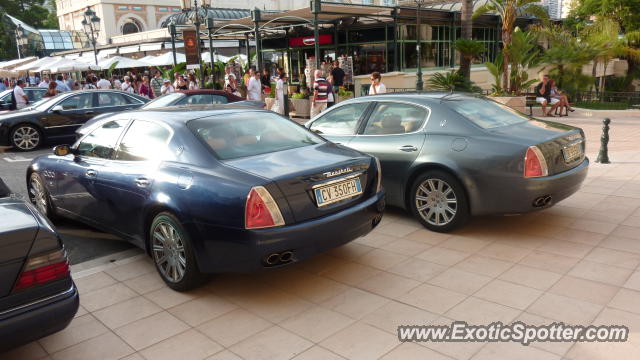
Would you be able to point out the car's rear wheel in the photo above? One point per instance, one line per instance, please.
(439, 201)
(39, 196)
(172, 253)
(26, 137)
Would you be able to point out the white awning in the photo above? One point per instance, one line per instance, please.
(106, 52)
(151, 47)
(38, 63)
(123, 63)
(167, 45)
(165, 59)
(129, 49)
(222, 43)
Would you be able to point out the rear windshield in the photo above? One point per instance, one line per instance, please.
(486, 113)
(250, 133)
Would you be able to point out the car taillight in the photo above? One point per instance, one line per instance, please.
(534, 163)
(261, 210)
(379, 183)
(43, 269)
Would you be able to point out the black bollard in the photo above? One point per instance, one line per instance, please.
(603, 154)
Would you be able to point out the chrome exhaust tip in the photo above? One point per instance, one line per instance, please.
(271, 259)
(286, 256)
(542, 201)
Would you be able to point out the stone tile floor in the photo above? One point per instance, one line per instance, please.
(577, 262)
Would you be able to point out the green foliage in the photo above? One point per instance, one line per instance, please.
(470, 49)
(345, 93)
(451, 81)
(300, 96)
(622, 84)
(111, 68)
(170, 73)
(624, 12)
(495, 69)
(525, 54)
(598, 105)
(272, 92)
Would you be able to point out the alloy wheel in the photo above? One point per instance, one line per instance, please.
(39, 195)
(168, 251)
(26, 138)
(436, 202)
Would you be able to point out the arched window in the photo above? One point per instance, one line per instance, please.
(131, 26)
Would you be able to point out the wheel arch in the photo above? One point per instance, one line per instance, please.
(422, 168)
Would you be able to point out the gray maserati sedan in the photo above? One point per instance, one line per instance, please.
(447, 156)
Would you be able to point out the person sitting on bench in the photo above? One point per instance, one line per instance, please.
(543, 96)
(564, 101)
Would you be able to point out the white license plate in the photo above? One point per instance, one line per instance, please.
(572, 152)
(329, 194)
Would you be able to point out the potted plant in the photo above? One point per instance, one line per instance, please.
(301, 105)
(343, 94)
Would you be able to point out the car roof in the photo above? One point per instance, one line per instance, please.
(420, 97)
(190, 112)
(210, 91)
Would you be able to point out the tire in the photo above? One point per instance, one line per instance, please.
(172, 253)
(39, 196)
(25, 137)
(438, 201)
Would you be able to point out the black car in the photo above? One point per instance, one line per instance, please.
(37, 295)
(33, 93)
(58, 118)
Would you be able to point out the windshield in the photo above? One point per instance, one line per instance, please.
(162, 101)
(486, 113)
(251, 133)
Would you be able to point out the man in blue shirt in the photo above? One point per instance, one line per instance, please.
(62, 87)
(2, 86)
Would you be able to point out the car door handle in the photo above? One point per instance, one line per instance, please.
(142, 182)
(408, 148)
(91, 173)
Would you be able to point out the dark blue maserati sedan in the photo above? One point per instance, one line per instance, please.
(211, 189)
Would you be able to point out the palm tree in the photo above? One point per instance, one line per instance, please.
(509, 10)
(469, 50)
(466, 32)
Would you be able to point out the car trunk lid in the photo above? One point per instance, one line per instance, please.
(17, 233)
(299, 172)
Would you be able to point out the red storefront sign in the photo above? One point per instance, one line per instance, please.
(190, 46)
(324, 39)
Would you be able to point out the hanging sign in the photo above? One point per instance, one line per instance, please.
(191, 47)
(324, 39)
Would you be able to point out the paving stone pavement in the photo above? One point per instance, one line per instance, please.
(576, 262)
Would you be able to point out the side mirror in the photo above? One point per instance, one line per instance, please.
(62, 150)
(57, 109)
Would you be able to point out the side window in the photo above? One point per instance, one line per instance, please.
(76, 102)
(144, 140)
(219, 99)
(111, 99)
(35, 95)
(100, 142)
(341, 121)
(394, 118)
(132, 100)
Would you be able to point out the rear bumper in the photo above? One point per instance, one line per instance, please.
(517, 196)
(239, 250)
(40, 318)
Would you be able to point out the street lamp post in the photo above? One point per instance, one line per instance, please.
(419, 82)
(172, 32)
(196, 21)
(210, 24)
(91, 25)
(21, 39)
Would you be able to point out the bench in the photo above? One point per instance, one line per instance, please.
(531, 101)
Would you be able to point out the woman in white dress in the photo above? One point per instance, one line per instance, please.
(279, 104)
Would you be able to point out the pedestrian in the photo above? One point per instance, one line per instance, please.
(320, 93)
(278, 106)
(21, 99)
(232, 85)
(103, 83)
(45, 82)
(337, 75)
(166, 87)
(51, 91)
(126, 85)
(254, 87)
(265, 81)
(68, 80)
(156, 83)
(136, 83)
(182, 83)
(62, 85)
(3, 86)
(116, 83)
(145, 88)
(193, 83)
(88, 83)
(543, 96)
(377, 87)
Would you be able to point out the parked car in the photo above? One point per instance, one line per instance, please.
(212, 189)
(184, 98)
(37, 295)
(33, 93)
(57, 119)
(448, 156)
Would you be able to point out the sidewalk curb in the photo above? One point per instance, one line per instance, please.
(106, 262)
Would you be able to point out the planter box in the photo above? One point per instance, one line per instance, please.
(341, 99)
(515, 102)
(301, 108)
(269, 101)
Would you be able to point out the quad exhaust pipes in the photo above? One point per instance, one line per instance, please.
(542, 201)
(278, 258)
